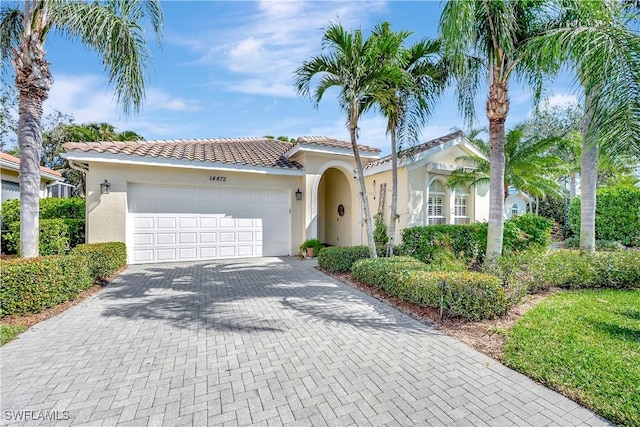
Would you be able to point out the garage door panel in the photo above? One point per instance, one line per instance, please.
(188, 222)
(166, 254)
(146, 255)
(227, 251)
(166, 222)
(226, 237)
(143, 239)
(166, 238)
(208, 237)
(169, 224)
(188, 238)
(187, 253)
(227, 223)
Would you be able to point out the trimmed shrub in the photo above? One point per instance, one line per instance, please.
(103, 259)
(50, 208)
(339, 259)
(57, 236)
(571, 270)
(473, 296)
(31, 285)
(617, 214)
(62, 224)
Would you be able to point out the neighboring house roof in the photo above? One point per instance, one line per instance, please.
(334, 143)
(12, 162)
(413, 151)
(263, 152)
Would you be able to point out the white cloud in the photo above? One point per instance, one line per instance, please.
(560, 99)
(88, 99)
(273, 41)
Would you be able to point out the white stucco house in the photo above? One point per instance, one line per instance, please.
(516, 203)
(185, 200)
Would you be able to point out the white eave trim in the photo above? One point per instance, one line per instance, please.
(132, 159)
(312, 148)
(421, 159)
(46, 175)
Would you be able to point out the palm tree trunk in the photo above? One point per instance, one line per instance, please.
(588, 181)
(394, 193)
(33, 81)
(363, 189)
(29, 141)
(497, 109)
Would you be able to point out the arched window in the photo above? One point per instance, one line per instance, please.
(514, 210)
(436, 209)
(461, 206)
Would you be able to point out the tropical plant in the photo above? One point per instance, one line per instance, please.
(410, 100)
(483, 40)
(529, 166)
(113, 29)
(353, 65)
(596, 41)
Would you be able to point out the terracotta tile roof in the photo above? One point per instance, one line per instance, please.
(417, 149)
(331, 142)
(241, 151)
(16, 161)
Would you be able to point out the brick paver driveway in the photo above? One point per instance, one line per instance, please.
(265, 342)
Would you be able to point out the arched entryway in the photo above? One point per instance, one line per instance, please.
(336, 208)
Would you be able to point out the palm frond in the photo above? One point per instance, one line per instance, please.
(11, 26)
(114, 31)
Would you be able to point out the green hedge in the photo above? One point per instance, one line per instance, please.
(571, 270)
(50, 208)
(617, 214)
(104, 259)
(470, 240)
(31, 285)
(473, 296)
(339, 259)
(57, 236)
(62, 225)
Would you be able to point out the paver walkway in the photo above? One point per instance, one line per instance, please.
(266, 341)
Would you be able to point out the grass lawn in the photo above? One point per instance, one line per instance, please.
(9, 332)
(586, 345)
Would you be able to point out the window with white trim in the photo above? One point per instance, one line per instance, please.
(436, 208)
(461, 206)
(514, 210)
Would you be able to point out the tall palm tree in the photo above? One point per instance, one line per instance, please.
(354, 65)
(483, 41)
(529, 166)
(410, 100)
(113, 29)
(596, 40)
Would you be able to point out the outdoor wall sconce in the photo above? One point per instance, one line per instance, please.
(374, 189)
(105, 187)
(298, 195)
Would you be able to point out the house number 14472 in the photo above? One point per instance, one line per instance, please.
(217, 178)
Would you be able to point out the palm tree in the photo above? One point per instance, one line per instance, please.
(529, 166)
(112, 29)
(595, 39)
(483, 40)
(353, 65)
(410, 101)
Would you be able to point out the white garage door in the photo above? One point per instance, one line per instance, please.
(169, 224)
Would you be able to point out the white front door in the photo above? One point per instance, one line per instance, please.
(169, 224)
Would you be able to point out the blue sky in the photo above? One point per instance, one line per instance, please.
(225, 69)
